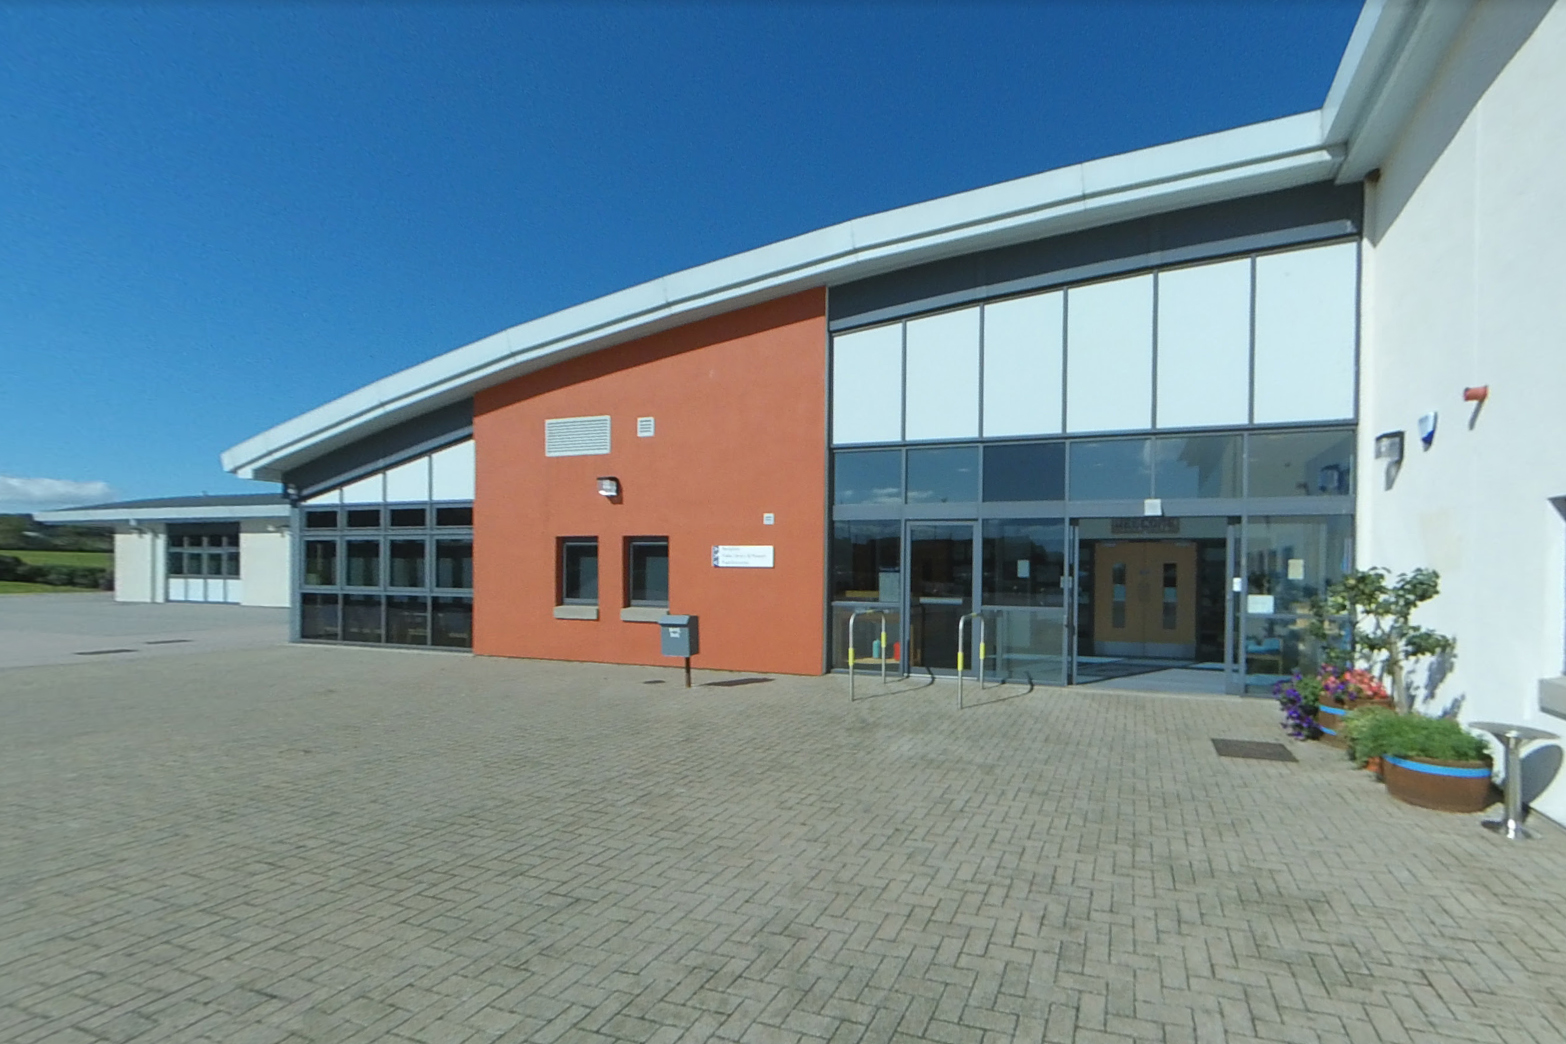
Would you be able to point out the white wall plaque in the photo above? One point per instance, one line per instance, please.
(742, 556)
(1260, 605)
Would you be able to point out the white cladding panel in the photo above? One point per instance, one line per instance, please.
(451, 472)
(370, 490)
(867, 385)
(1305, 326)
(1204, 345)
(265, 564)
(410, 481)
(1023, 341)
(1109, 355)
(943, 376)
(137, 556)
(176, 589)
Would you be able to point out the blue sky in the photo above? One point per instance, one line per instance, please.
(215, 217)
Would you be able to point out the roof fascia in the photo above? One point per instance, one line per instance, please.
(1246, 160)
(109, 516)
(1393, 55)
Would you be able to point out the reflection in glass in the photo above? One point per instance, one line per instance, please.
(579, 571)
(649, 572)
(1025, 471)
(361, 618)
(1024, 560)
(1112, 469)
(451, 622)
(868, 650)
(320, 563)
(407, 620)
(176, 563)
(944, 475)
(1301, 464)
(867, 562)
(874, 477)
(940, 581)
(1288, 561)
(454, 564)
(1027, 644)
(1197, 466)
(231, 564)
(319, 616)
(364, 563)
(406, 567)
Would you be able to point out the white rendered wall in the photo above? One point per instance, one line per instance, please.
(139, 564)
(265, 563)
(1465, 285)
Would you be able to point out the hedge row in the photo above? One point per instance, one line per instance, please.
(95, 577)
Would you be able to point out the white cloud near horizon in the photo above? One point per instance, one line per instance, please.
(26, 495)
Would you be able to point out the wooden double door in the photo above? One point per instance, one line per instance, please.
(1144, 598)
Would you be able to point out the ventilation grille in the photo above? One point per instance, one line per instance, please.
(644, 427)
(576, 436)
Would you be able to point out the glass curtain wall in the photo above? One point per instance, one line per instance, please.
(393, 574)
(1288, 562)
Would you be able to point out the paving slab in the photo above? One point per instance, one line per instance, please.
(335, 844)
(42, 629)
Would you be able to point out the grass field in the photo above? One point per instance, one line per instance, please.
(103, 559)
(18, 587)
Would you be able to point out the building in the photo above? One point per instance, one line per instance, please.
(1128, 411)
(235, 549)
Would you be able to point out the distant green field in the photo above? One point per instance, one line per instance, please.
(102, 559)
(18, 587)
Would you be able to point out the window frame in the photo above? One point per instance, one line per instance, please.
(631, 546)
(564, 545)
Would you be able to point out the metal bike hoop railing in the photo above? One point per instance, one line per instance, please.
(962, 627)
(853, 618)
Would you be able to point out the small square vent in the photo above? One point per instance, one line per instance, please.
(644, 427)
(576, 436)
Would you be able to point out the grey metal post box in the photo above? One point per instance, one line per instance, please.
(679, 635)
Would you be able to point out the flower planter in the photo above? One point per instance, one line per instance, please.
(1330, 714)
(1446, 786)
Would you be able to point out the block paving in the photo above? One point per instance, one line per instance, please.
(315, 844)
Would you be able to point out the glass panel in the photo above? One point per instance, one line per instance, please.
(320, 563)
(1115, 469)
(1171, 595)
(364, 518)
(407, 518)
(1200, 466)
(867, 562)
(867, 478)
(579, 571)
(454, 516)
(1288, 561)
(949, 474)
(320, 617)
(231, 564)
(454, 564)
(1027, 644)
(176, 563)
(364, 563)
(361, 618)
(650, 572)
(1302, 464)
(407, 620)
(231, 540)
(1117, 597)
(321, 519)
(1024, 560)
(1025, 471)
(406, 565)
(867, 639)
(214, 563)
(451, 622)
(176, 541)
(940, 579)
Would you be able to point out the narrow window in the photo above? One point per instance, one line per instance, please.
(1171, 595)
(320, 565)
(579, 572)
(364, 518)
(649, 570)
(454, 564)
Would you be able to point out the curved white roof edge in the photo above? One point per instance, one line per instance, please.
(1261, 157)
(134, 515)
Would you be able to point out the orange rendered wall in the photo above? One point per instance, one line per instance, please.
(740, 407)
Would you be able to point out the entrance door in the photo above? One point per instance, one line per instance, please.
(1145, 599)
(940, 591)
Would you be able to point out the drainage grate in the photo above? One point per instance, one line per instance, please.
(1253, 749)
(731, 682)
(103, 652)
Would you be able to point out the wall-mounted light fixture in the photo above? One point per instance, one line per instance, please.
(608, 486)
(1427, 428)
(1389, 447)
(1479, 394)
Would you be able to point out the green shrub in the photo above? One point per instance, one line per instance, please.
(1416, 736)
(1356, 727)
